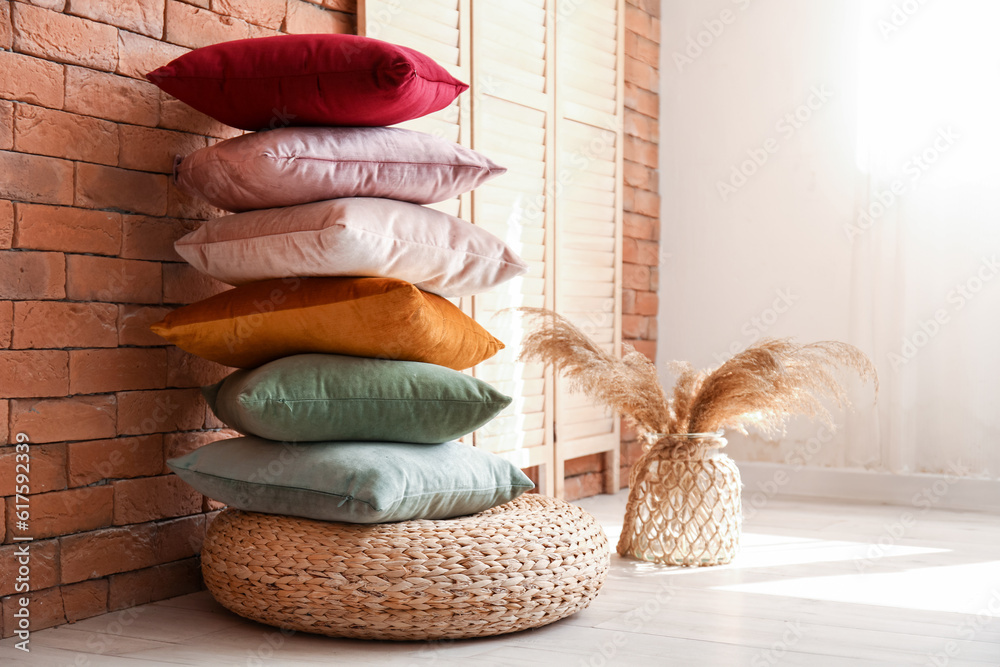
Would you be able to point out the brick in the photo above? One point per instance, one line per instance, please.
(584, 486)
(647, 303)
(63, 38)
(639, 175)
(48, 468)
(267, 13)
(6, 224)
(121, 549)
(647, 203)
(187, 370)
(647, 51)
(90, 278)
(36, 178)
(150, 238)
(646, 347)
(112, 97)
(59, 324)
(641, 23)
(348, 6)
(46, 610)
(654, 278)
(584, 464)
(205, 4)
(59, 134)
(638, 226)
(101, 371)
(177, 115)
(178, 444)
(642, 101)
(42, 227)
(141, 412)
(107, 551)
(4, 421)
(98, 186)
(211, 420)
(184, 284)
(643, 152)
(66, 512)
(139, 55)
(85, 599)
(653, 328)
(651, 7)
(641, 74)
(153, 149)
(34, 373)
(305, 18)
(6, 33)
(32, 275)
(6, 323)
(142, 16)
(195, 27)
(6, 123)
(134, 322)
(54, 5)
(177, 539)
(635, 276)
(152, 498)
(31, 80)
(44, 566)
(129, 589)
(56, 420)
(633, 326)
(647, 252)
(118, 458)
(182, 205)
(628, 301)
(210, 505)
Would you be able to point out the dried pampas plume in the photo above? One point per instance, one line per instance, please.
(761, 386)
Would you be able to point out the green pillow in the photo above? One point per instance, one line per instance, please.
(316, 397)
(356, 482)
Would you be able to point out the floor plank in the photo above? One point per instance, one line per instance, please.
(815, 584)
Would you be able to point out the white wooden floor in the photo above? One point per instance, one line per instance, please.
(815, 584)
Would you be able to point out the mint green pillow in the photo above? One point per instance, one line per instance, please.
(356, 482)
(316, 397)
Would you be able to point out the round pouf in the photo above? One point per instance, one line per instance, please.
(517, 566)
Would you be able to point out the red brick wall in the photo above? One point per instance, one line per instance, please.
(87, 224)
(584, 476)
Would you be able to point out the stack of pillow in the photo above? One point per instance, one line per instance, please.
(351, 397)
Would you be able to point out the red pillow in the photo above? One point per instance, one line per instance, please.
(272, 82)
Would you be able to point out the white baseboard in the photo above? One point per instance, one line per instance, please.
(923, 491)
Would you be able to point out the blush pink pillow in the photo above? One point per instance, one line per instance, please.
(356, 236)
(298, 165)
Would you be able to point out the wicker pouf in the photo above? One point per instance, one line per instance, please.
(521, 565)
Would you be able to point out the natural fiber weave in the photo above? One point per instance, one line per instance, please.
(684, 505)
(530, 562)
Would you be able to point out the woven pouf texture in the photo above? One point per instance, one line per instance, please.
(521, 565)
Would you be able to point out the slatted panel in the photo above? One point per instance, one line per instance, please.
(513, 112)
(441, 30)
(588, 212)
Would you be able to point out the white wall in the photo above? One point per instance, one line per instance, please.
(772, 257)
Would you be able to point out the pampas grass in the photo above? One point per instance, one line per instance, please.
(762, 386)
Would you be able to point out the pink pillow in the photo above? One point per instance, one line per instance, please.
(357, 236)
(298, 165)
(306, 80)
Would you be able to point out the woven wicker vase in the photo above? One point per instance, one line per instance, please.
(530, 562)
(684, 505)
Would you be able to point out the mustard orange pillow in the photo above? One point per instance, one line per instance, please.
(362, 317)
